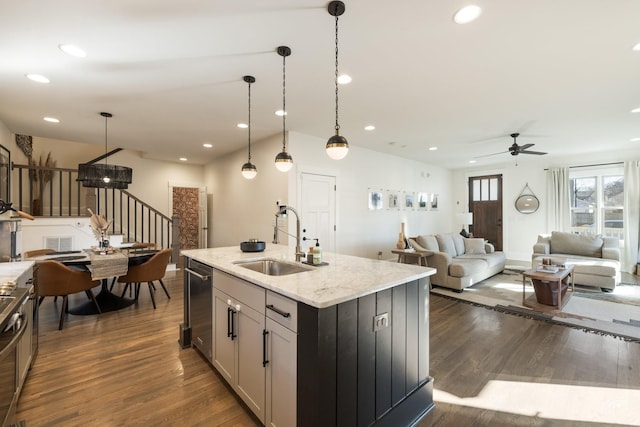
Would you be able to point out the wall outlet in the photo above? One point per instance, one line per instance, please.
(380, 321)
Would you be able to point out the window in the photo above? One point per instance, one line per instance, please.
(597, 203)
(485, 189)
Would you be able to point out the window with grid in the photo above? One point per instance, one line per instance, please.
(597, 203)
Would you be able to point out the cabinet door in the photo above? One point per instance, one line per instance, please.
(223, 346)
(250, 380)
(282, 346)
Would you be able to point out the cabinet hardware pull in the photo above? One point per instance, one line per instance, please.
(198, 275)
(277, 310)
(229, 310)
(264, 347)
(233, 326)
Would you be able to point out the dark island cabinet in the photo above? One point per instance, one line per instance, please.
(365, 361)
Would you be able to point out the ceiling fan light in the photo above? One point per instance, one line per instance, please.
(249, 170)
(284, 161)
(337, 147)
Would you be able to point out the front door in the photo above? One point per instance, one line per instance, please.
(485, 201)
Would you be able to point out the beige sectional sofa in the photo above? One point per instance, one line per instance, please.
(460, 262)
(596, 259)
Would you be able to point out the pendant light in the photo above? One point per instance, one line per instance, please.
(249, 170)
(284, 161)
(99, 175)
(337, 146)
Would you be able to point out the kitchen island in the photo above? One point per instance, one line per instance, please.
(341, 344)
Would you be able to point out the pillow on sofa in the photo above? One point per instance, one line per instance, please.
(445, 242)
(428, 242)
(576, 244)
(458, 243)
(474, 246)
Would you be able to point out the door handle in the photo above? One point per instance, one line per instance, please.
(229, 316)
(233, 324)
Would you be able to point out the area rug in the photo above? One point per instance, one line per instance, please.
(615, 313)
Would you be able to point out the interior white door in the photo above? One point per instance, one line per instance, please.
(318, 209)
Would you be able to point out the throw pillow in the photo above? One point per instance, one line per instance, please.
(428, 242)
(474, 246)
(458, 242)
(445, 242)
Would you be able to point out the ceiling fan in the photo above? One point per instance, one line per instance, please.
(516, 149)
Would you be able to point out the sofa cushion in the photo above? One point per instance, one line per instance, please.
(492, 259)
(428, 242)
(569, 243)
(458, 242)
(474, 246)
(445, 243)
(461, 267)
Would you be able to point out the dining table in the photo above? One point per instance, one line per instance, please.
(102, 266)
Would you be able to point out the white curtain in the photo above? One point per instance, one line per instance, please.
(558, 208)
(631, 215)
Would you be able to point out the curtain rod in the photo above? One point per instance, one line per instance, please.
(591, 166)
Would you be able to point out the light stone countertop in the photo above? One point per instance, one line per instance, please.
(13, 270)
(345, 278)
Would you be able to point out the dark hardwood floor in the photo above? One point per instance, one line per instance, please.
(490, 369)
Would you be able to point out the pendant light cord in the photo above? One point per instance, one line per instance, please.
(106, 161)
(249, 123)
(284, 103)
(336, 76)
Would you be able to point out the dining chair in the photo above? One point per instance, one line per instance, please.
(149, 271)
(56, 279)
(37, 252)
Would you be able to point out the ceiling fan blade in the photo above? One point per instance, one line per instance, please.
(493, 154)
(539, 153)
(524, 147)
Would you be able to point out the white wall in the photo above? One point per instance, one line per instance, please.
(520, 231)
(243, 209)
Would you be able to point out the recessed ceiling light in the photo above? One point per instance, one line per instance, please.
(183, 159)
(344, 79)
(51, 120)
(636, 47)
(634, 139)
(636, 110)
(72, 50)
(369, 127)
(392, 143)
(467, 14)
(472, 161)
(281, 113)
(433, 148)
(242, 125)
(207, 145)
(37, 78)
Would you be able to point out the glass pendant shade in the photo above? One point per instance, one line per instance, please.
(337, 147)
(284, 161)
(104, 175)
(249, 170)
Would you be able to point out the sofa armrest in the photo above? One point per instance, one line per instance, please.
(440, 261)
(541, 249)
(489, 248)
(611, 248)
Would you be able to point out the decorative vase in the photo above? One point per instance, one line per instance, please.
(401, 244)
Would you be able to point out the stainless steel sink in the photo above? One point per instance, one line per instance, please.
(273, 267)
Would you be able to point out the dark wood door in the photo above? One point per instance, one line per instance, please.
(485, 201)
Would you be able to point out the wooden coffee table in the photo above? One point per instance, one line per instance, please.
(548, 278)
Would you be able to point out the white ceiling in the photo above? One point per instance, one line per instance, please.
(561, 72)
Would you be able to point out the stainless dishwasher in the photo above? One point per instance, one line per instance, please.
(200, 306)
